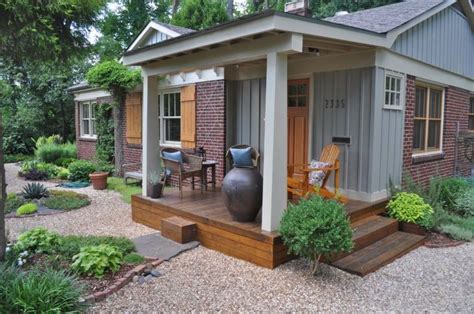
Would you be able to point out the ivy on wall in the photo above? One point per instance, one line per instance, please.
(105, 133)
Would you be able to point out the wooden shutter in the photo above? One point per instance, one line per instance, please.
(188, 116)
(133, 111)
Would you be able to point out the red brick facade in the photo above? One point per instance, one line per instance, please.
(455, 110)
(210, 127)
(210, 122)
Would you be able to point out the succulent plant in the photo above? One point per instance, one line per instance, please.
(35, 191)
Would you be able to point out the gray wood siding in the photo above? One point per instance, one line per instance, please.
(245, 113)
(445, 40)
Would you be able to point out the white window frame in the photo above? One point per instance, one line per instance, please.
(90, 119)
(428, 87)
(162, 118)
(391, 90)
(469, 113)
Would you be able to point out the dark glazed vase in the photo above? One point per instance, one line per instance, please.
(242, 189)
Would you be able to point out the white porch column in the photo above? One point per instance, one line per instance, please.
(150, 130)
(276, 142)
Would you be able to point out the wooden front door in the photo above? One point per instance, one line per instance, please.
(298, 111)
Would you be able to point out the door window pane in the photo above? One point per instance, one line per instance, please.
(302, 89)
(302, 101)
(291, 102)
(292, 90)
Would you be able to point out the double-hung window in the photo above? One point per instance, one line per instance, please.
(393, 91)
(87, 113)
(471, 115)
(428, 124)
(170, 117)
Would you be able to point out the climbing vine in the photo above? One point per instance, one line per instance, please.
(105, 133)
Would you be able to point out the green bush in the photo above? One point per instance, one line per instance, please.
(133, 259)
(48, 140)
(63, 174)
(80, 170)
(72, 244)
(34, 191)
(36, 170)
(51, 153)
(27, 209)
(105, 133)
(409, 207)
(316, 227)
(465, 203)
(13, 202)
(64, 162)
(456, 232)
(447, 190)
(96, 260)
(453, 225)
(66, 200)
(16, 158)
(38, 291)
(39, 240)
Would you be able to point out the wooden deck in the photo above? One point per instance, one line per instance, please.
(216, 229)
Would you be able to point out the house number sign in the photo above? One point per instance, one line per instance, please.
(334, 103)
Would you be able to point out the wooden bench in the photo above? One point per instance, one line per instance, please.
(178, 229)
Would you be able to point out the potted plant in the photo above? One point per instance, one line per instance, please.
(155, 186)
(411, 211)
(99, 176)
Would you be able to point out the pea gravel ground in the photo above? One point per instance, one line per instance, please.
(434, 280)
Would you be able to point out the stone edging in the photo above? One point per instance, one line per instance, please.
(121, 282)
(440, 246)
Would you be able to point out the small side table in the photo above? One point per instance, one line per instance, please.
(206, 165)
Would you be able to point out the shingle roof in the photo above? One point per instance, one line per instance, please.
(384, 19)
(79, 86)
(177, 29)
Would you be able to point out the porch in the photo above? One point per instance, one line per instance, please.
(247, 241)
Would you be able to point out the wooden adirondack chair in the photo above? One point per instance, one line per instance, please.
(298, 176)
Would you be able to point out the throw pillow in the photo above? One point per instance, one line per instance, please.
(317, 177)
(242, 157)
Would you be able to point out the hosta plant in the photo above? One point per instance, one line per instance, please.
(314, 228)
(97, 259)
(38, 240)
(34, 191)
(409, 207)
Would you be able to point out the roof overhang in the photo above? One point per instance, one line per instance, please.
(468, 8)
(247, 29)
(149, 28)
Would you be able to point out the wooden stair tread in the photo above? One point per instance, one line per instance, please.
(379, 254)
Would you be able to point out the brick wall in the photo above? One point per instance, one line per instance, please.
(132, 153)
(210, 122)
(85, 146)
(455, 110)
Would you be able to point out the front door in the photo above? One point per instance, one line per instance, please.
(298, 111)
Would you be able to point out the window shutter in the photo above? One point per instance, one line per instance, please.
(188, 116)
(133, 111)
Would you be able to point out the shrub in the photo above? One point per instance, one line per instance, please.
(72, 244)
(38, 240)
(66, 200)
(63, 174)
(34, 191)
(80, 170)
(38, 291)
(316, 227)
(447, 190)
(13, 202)
(50, 153)
(133, 258)
(96, 260)
(465, 203)
(105, 133)
(52, 139)
(16, 158)
(409, 207)
(35, 170)
(456, 232)
(27, 209)
(64, 161)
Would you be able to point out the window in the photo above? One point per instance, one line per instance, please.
(298, 93)
(428, 126)
(393, 91)
(471, 115)
(88, 128)
(170, 117)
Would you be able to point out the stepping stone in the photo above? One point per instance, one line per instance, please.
(156, 246)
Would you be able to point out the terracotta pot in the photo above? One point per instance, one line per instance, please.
(154, 190)
(99, 180)
(242, 189)
(412, 228)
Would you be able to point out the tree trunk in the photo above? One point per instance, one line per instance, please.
(230, 9)
(63, 116)
(3, 187)
(175, 6)
(118, 135)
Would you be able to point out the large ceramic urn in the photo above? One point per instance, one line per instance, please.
(242, 190)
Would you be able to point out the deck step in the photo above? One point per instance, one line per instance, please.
(361, 210)
(380, 253)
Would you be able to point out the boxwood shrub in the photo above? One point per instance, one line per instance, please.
(80, 170)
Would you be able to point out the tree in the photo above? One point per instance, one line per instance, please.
(200, 14)
(32, 33)
(118, 80)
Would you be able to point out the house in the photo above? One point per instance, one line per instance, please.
(390, 85)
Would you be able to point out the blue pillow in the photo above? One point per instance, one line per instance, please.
(176, 156)
(242, 157)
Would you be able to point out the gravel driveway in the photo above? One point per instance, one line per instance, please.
(106, 215)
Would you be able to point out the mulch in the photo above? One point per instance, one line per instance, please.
(439, 240)
(94, 284)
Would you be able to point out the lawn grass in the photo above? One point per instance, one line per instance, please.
(126, 191)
